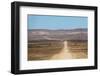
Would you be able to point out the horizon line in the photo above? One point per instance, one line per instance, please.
(60, 29)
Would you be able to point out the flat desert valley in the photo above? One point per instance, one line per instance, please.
(57, 44)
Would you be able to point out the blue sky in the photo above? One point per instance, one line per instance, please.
(56, 22)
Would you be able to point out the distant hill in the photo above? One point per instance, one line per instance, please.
(60, 34)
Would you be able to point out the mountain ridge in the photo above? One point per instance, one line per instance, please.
(58, 34)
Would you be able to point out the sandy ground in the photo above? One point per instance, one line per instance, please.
(66, 54)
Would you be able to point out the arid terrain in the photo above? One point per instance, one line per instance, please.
(57, 44)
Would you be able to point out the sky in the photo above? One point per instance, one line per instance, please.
(56, 22)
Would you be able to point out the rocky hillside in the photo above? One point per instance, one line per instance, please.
(61, 34)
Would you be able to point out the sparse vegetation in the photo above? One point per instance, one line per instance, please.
(45, 49)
